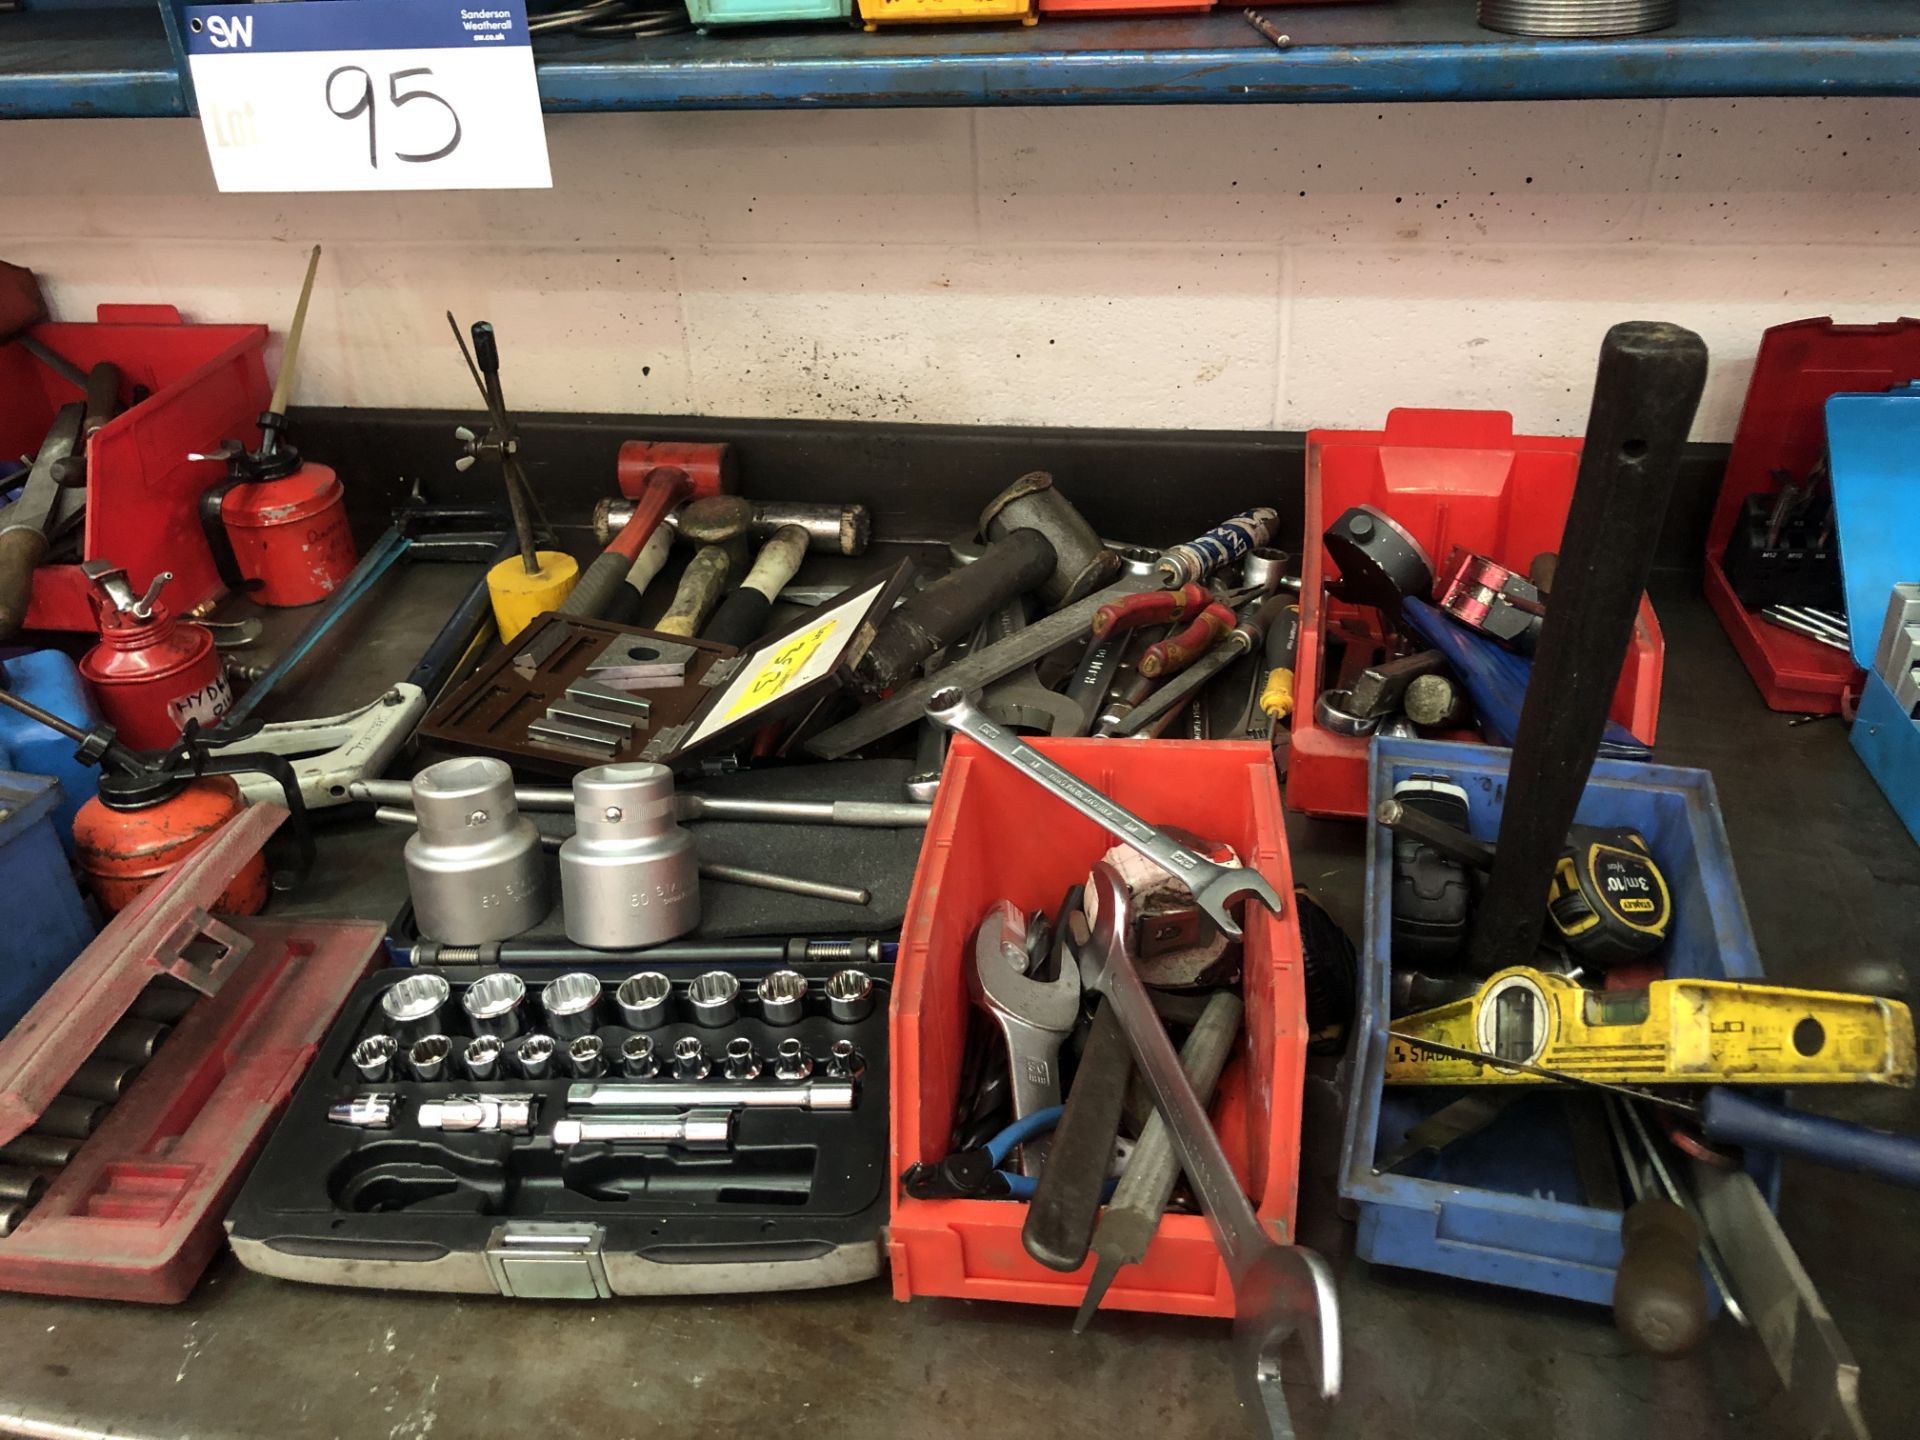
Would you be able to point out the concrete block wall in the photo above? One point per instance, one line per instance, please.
(1240, 267)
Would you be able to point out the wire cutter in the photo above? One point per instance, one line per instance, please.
(1150, 607)
(975, 1173)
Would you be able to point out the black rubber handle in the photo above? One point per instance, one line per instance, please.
(21, 551)
(739, 620)
(1060, 1217)
(1644, 397)
(486, 350)
(953, 605)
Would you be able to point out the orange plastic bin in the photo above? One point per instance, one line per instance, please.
(996, 835)
(1448, 477)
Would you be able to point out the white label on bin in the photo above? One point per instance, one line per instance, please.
(368, 95)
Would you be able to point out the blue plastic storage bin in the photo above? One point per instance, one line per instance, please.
(1876, 507)
(52, 681)
(47, 925)
(1506, 1206)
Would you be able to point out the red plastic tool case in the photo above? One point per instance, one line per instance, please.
(1448, 477)
(994, 835)
(208, 383)
(136, 1214)
(1783, 426)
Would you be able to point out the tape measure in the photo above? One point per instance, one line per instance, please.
(1608, 901)
(1674, 1032)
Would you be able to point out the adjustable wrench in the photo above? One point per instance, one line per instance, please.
(1214, 886)
(1278, 1290)
(1035, 1015)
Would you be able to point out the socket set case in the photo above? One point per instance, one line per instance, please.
(796, 1201)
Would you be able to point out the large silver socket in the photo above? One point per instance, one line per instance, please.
(629, 875)
(416, 1005)
(783, 997)
(496, 1005)
(850, 996)
(572, 1002)
(474, 867)
(713, 999)
(645, 1000)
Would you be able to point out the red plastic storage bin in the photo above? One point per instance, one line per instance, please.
(208, 384)
(1783, 426)
(1448, 477)
(995, 835)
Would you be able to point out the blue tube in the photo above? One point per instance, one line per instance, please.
(1733, 1119)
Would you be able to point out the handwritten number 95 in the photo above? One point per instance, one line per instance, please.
(396, 97)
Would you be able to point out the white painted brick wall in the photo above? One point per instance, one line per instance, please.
(1243, 267)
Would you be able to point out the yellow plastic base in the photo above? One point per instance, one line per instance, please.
(518, 597)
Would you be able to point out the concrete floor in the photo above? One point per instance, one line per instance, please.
(1833, 886)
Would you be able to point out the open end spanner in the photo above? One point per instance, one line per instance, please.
(1035, 1015)
(1278, 1290)
(1214, 886)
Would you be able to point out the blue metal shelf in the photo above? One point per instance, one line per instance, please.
(1397, 51)
(119, 61)
(87, 62)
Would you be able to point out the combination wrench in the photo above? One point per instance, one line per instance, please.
(1214, 886)
(1036, 1016)
(1278, 1290)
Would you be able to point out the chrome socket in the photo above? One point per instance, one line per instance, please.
(416, 1006)
(850, 996)
(570, 1001)
(475, 868)
(645, 1000)
(629, 875)
(482, 1057)
(791, 1061)
(373, 1057)
(783, 997)
(533, 1056)
(587, 1057)
(742, 1062)
(496, 1005)
(690, 1059)
(427, 1059)
(844, 1062)
(637, 1058)
(714, 999)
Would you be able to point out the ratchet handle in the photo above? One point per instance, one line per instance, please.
(21, 550)
(1732, 1119)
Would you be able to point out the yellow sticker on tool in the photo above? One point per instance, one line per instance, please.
(780, 669)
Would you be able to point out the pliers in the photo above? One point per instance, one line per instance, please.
(1150, 607)
(975, 1174)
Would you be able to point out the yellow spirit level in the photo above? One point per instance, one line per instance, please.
(1674, 1032)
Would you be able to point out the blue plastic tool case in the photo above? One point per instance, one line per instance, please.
(1871, 442)
(1506, 1206)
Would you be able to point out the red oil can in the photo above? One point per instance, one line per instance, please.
(151, 671)
(122, 852)
(290, 535)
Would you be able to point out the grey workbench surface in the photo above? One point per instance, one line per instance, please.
(1833, 886)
